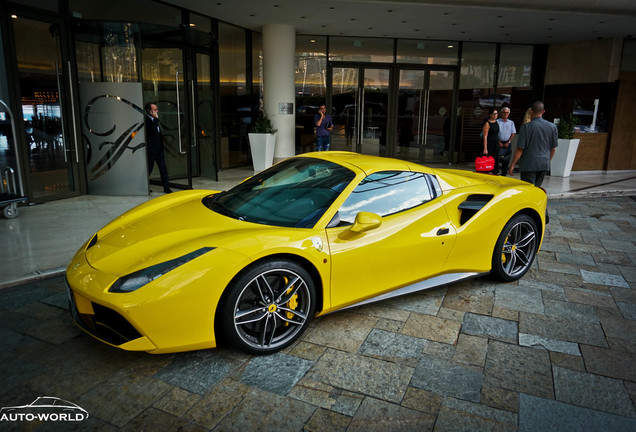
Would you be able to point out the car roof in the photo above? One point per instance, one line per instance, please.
(367, 163)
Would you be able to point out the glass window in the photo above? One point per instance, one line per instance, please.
(200, 23)
(294, 193)
(361, 49)
(515, 66)
(478, 65)
(476, 94)
(107, 52)
(311, 86)
(234, 95)
(427, 52)
(148, 11)
(386, 193)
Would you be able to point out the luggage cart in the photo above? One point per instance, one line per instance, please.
(11, 191)
(9, 196)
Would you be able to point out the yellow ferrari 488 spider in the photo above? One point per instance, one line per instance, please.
(313, 234)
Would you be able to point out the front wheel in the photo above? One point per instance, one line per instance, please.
(268, 307)
(515, 249)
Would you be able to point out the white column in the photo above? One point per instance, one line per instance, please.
(279, 51)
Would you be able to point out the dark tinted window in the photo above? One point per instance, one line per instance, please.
(293, 193)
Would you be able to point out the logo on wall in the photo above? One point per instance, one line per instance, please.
(99, 123)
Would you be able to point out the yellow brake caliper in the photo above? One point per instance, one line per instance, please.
(503, 255)
(292, 304)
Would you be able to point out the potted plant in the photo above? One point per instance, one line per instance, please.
(561, 165)
(262, 142)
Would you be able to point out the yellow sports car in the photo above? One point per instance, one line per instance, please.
(313, 234)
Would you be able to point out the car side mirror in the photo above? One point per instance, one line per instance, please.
(365, 221)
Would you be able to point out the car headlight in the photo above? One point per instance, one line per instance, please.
(136, 280)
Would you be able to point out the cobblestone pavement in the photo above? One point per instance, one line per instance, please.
(554, 351)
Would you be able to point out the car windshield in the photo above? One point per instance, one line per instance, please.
(293, 193)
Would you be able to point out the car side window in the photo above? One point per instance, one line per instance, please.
(386, 193)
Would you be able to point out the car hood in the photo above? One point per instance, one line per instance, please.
(163, 229)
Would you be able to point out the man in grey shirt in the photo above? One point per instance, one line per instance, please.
(536, 146)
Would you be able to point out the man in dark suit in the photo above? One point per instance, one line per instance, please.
(154, 144)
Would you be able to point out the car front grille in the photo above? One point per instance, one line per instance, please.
(105, 324)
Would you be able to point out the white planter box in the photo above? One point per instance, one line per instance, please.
(262, 148)
(561, 164)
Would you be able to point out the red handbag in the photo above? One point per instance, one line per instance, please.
(484, 163)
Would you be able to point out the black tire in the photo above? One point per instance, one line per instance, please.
(516, 248)
(267, 307)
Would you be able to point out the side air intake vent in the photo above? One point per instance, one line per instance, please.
(472, 205)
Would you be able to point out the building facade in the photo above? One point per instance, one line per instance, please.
(77, 75)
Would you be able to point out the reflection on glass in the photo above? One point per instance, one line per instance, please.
(163, 83)
(311, 87)
(427, 52)
(205, 118)
(374, 112)
(424, 105)
(361, 49)
(41, 75)
(476, 94)
(234, 97)
(344, 135)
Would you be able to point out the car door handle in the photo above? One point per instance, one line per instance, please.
(442, 231)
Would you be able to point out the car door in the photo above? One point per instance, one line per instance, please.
(410, 244)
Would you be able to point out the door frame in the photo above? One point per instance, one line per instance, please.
(69, 112)
(392, 107)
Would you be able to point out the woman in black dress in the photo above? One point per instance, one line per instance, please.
(490, 132)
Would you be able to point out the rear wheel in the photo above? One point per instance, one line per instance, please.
(515, 249)
(268, 307)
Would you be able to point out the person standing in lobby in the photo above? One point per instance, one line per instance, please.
(536, 146)
(490, 136)
(324, 126)
(154, 144)
(507, 131)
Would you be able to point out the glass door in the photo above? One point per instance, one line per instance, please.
(204, 162)
(47, 123)
(164, 83)
(425, 116)
(180, 83)
(360, 99)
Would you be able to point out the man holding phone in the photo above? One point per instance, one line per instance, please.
(324, 126)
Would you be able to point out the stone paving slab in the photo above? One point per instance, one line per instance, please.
(555, 351)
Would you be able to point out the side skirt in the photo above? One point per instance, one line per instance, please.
(419, 286)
